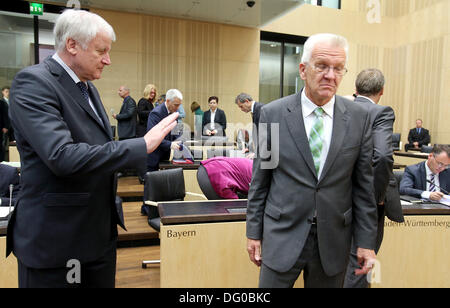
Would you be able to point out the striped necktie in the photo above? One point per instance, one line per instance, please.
(316, 138)
(432, 184)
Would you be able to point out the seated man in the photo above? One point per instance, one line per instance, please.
(230, 177)
(417, 137)
(8, 175)
(429, 179)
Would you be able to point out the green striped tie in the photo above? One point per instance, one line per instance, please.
(315, 138)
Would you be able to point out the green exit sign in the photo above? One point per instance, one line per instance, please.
(36, 8)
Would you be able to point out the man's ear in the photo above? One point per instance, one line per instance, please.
(71, 46)
(302, 71)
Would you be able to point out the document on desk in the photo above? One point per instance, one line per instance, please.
(445, 200)
(4, 211)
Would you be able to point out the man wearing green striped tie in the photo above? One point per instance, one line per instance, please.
(304, 209)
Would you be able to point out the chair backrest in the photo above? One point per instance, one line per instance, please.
(426, 149)
(398, 176)
(217, 152)
(164, 185)
(396, 141)
(205, 184)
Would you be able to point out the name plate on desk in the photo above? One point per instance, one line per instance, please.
(186, 212)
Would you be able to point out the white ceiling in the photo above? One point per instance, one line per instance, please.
(234, 12)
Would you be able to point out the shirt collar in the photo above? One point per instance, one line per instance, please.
(253, 106)
(367, 99)
(428, 170)
(308, 106)
(66, 68)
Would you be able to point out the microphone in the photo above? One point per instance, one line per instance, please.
(441, 189)
(11, 187)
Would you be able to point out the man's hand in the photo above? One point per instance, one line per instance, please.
(416, 144)
(114, 116)
(175, 145)
(366, 259)
(5, 130)
(254, 251)
(154, 136)
(208, 132)
(436, 196)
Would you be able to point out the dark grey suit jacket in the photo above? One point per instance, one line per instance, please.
(66, 208)
(385, 184)
(127, 119)
(285, 192)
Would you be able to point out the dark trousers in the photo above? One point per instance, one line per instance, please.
(309, 262)
(352, 280)
(2, 146)
(97, 274)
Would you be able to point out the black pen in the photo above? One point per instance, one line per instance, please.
(443, 190)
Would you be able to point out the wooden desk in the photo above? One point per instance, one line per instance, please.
(8, 266)
(413, 155)
(203, 245)
(13, 154)
(415, 254)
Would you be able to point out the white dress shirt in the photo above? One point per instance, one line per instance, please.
(75, 79)
(213, 115)
(309, 118)
(426, 194)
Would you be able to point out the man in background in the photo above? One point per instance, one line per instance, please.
(369, 89)
(4, 122)
(174, 99)
(429, 179)
(247, 104)
(127, 118)
(66, 214)
(417, 136)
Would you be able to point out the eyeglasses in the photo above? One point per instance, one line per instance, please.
(324, 69)
(439, 164)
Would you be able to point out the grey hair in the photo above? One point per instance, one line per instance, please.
(80, 25)
(243, 97)
(369, 82)
(332, 39)
(173, 94)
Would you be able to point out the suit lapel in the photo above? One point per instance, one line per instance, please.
(423, 176)
(296, 126)
(95, 98)
(340, 124)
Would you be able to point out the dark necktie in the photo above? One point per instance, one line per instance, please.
(432, 184)
(84, 91)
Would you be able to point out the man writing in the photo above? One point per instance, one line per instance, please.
(66, 213)
(303, 211)
(429, 179)
(370, 88)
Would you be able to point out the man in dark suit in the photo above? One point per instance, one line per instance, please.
(8, 175)
(313, 190)
(417, 136)
(214, 120)
(429, 179)
(127, 118)
(4, 122)
(174, 99)
(247, 104)
(63, 230)
(369, 88)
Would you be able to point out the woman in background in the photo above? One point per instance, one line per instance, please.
(198, 118)
(145, 106)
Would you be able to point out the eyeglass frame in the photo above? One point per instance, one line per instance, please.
(439, 164)
(327, 69)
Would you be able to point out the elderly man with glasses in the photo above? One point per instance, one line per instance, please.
(429, 179)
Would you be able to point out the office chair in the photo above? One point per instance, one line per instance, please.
(162, 185)
(426, 149)
(217, 152)
(396, 143)
(205, 184)
(398, 176)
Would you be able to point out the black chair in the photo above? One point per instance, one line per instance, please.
(426, 149)
(396, 143)
(217, 152)
(398, 177)
(162, 185)
(113, 131)
(205, 184)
